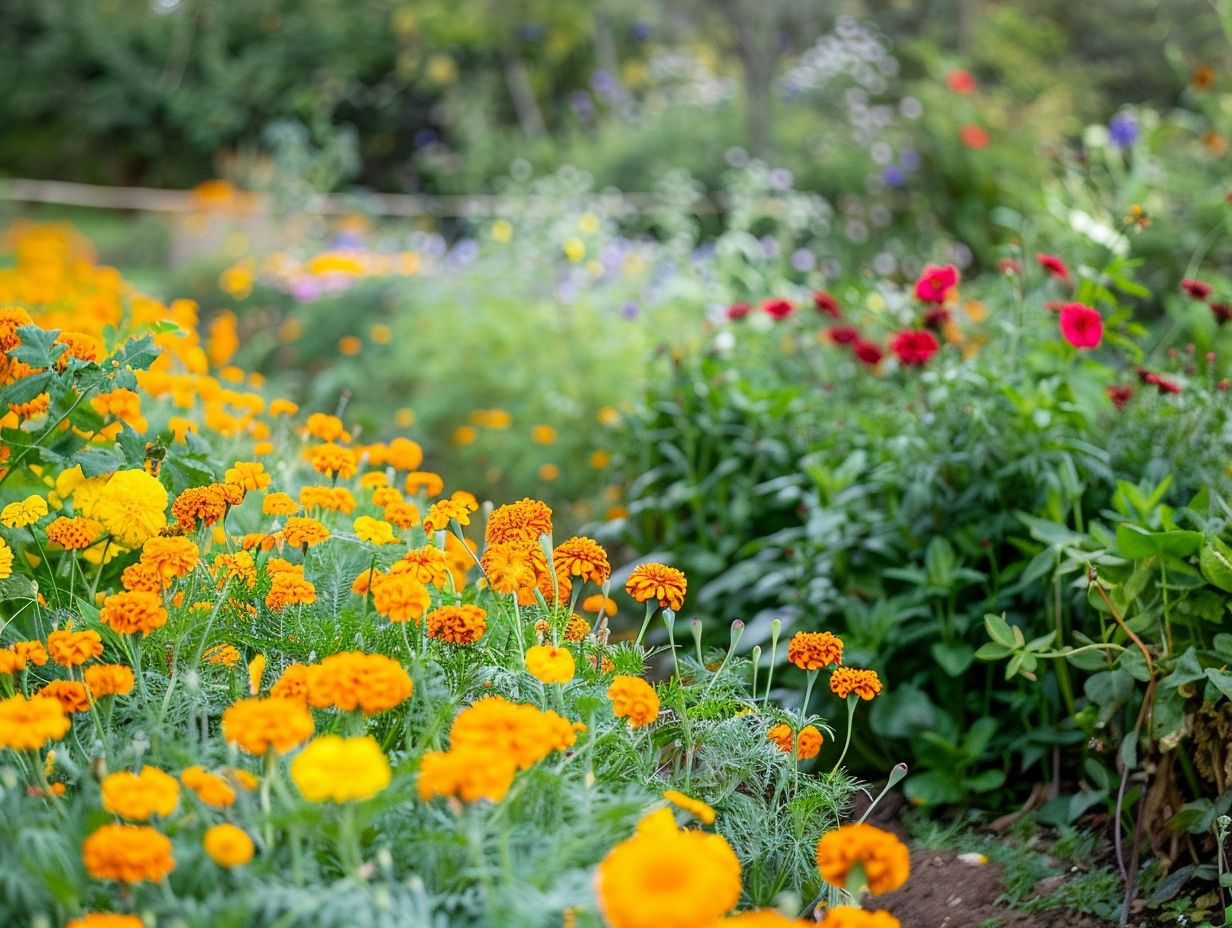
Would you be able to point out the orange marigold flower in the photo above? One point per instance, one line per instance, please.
(12, 318)
(248, 476)
(71, 649)
(457, 624)
(334, 460)
(138, 796)
(525, 734)
(127, 853)
(598, 602)
(442, 511)
(140, 577)
(279, 504)
(635, 699)
(523, 522)
(780, 735)
(261, 725)
(210, 788)
(325, 428)
(846, 916)
(404, 454)
(293, 684)
(399, 597)
(549, 664)
(883, 858)
(31, 651)
(289, 588)
(170, 557)
(509, 566)
(658, 582)
(847, 680)
(131, 612)
(75, 533)
(403, 515)
(238, 567)
(808, 742)
(228, 845)
(199, 504)
(106, 920)
(428, 565)
(383, 496)
(11, 661)
(109, 680)
(469, 774)
(424, 483)
(69, 693)
(372, 683)
(225, 655)
(300, 531)
(28, 724)
(699, 810)
(577, 628)
(814, 650)
(582, 557)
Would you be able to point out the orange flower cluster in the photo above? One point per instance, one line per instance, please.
(210, 788)
(334, 460)
(204, 505)
(71, 695)
(139, 796)
(463, 624)
(635, 699)
(523, 522)
(71, 649)
(807, 744)
(128, 853)
(371, 683)
(428, 565)
(399, 597)
(303, 532)
(882, 858)
(133, 612)
(109, 680)
(288, 586)
(666, 585)
(261, 725)
(815, 650)
(28, 724)
(847, 680)
(582, 557)
(75, 533)
(170, 558)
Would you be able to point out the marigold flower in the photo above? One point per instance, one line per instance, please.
(599, 602)
(23, 512)
(374, 531)
(69, 693)
(11, 662)
(399, 597)
(522, 733)
(228, 845)
(808, 742)
(424, 483)
(127, 853)
(248, 476)
(635, 699)
(224, 654)
(509, 566)
(442, 511)
(334, 460)
(463, 624)
(293, 684)
(847, 680)
(523, 522)
(695, 807)
(403, 515)
(279, 504)
(576, 628)
(658, 582)
(428, 565)
(28, 724)
(404, 454)
(31, 651)
(325, 428)
(814, 650)
(336, 769)
(664, 876)
(106, 920)
(259, 725)
(550, 664)
(75, 533)
(239, 567)
(289, 588)
(469, 774)
(131, 506)
(132, 612)
(138, 796)
(170, 557)
(846, 916)
(303, 532)
(582, 557)
(71, 649)
(883, 858)
(141, 577)
(780, 735)
(199, 504)
(372, 683)
(212, 789)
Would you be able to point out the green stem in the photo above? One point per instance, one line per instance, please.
(852, 701)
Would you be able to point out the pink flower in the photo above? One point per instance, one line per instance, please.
(1053, 265)
(737, 311)
(914, 346)
(1198, 289)
(777, 309)
(935, 282)
(826, 304)
(867, 352)
(1081, 325)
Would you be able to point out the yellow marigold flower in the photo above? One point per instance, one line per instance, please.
(428, 565)
(199, 504)
(239, 567)
(375, 480)
(457, 624)
(225, 655)
(372, 683)
(469, 774)
(523, 733)
(256, 670)
(131, 612)
(403, 515)
(248, 476)
(279, 504)
(336, 769)
(599, 602)
(325, 427)
(405, 455)
(300, 531)
(509, 566)
(523, 522)
(131, 506)
(170, 557)
(882, 857)
(543, 434)
(210, 788)
(666, 876)
(261, 725)
(374, 531)
(847, 680)
(814, 650)
(465, 435)
(582, 557)
(293, 684)
(71, 695)
(281, 407)
(577, 628)
(550, 664)
(75, 533)
(28, 724)
(334, 460)
(658, 582)
(6, 560)
(71, 649)
(106, 920)
(127, 853)
(288, 588)
(444, 510)
(383, 496)
(399, 597)
(635, 699)
(424, 483)
(109, 680)
(23, 512)
(228, 845)
(139, 796)
(31, 651)
(846, 916)
(695, 807)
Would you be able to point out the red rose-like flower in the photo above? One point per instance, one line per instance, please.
(974, 137)
(1081, 325)
(1198, 289)
(777, 309)
(843, 335)
(1053, 265)
(738, 311)
(1119, 396)
(868, 352)
(1222, 312)
(914, 346)
(826, 304)
(935, 282)
(960, 81)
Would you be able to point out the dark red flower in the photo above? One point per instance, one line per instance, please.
(826, 304)
(1167, 386)
(868, 352)
(936, 318)
(738, 311)
(974, 137)
(935, 282)
(777, 309)
(843, 335)
(960, 81)
(1198, 289)
(1081, 325)
(1222, 312)
(1053, 265)
(1119, 396)
(914, 346)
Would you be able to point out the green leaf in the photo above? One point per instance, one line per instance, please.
(991, 651)
(38, 346)
(17, 586)
(1221, 679)
(954, 659)
(1185, 670)
(985, 781)
(26, 389)
(932, 788)
(999, 630)
(1215, 561)
(1136, 542)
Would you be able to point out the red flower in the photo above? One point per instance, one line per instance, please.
(826, 304)
(867, 352)
(935, 282)
(1198, 289)
(1053, 265)
(843, 335)
(777, 309)
(1161, 384)
(974, 137)
(1081, 325)
(960, 81)
(914, 346)
(1222, 312)
(1119, 396)
(737, 311)
(1009, 266)
(936, 318)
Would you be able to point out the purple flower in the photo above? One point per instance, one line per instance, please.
(629, 310)
(769, 246)
(581, 104)
(802, 260)
(640, 31)
(910, 159)
(1123, 130)
(893, 176)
